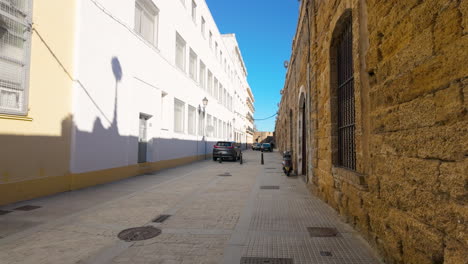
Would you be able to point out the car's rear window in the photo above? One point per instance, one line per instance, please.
(266, 144)
(223, 144)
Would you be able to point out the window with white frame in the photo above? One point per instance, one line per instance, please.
(220, 128)
(216, 87)
(215, 130)
(193, 65)
(202, 76)
(203, 26)
(216, 49)
(194, 11)
(200, 123)
(192, 122)
(179, 116)
(146, 20)
(210, 40)
(180, 52)
(209, 125)
(15, 46)
(210, 83)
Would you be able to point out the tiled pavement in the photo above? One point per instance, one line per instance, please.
(213, 219)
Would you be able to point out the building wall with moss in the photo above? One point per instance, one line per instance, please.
(408, 192)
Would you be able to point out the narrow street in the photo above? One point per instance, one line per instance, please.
(253, 210)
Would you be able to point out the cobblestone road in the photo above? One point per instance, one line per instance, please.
(213, 219)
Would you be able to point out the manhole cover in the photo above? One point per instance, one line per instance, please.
(325, 253)
(139, 233)
(226, 174)
(255, 260)
(161, 218)
(269, 187)
(322, 231)
(4, 212)
(27, 208)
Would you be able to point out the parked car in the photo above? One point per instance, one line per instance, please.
(255, 146)
(226, 150)
(266, 147)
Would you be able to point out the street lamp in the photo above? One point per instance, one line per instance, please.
(203, 110)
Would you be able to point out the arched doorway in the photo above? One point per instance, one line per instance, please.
(302, 136)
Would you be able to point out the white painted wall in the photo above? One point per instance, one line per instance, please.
(106, 130)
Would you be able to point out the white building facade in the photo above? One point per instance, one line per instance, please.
(143, 69)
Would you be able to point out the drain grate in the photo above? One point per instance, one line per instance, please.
(226, 174)
(269, 187)
(161, 218)
(27, 208)
(139, 233)
(325, 253)
(322, 231)
(2, 212)
(256, 260)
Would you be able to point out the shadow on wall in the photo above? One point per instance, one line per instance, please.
(35, 166)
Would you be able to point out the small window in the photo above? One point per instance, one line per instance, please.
(203, 26)
(194, 11)
(146, 20)
(200, 123)
(202, 77)
(210, 83)
(193, 65)
(211, 40)
(192, 122)
(216, 49)
(216, 87)
(215, 130)
(179, 116)
(180, 52)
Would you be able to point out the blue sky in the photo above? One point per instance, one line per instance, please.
(264, 30)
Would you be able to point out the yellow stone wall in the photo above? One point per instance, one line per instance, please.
(408, 195)
(37, 146)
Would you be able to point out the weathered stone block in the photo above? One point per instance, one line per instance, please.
(453, 180)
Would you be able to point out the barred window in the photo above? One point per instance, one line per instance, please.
(15, 46)
(345, 97)
(146, 20)
(179, 116)
(180, 52)
(193, 65)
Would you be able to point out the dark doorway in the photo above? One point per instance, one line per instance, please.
(304, 139)
(142, 138)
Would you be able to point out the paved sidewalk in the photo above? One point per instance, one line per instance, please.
(213, 219)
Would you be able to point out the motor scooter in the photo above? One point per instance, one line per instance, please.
(287, 162)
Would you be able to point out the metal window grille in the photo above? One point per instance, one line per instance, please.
(345, 94)
(15, 45)
(215, 127)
